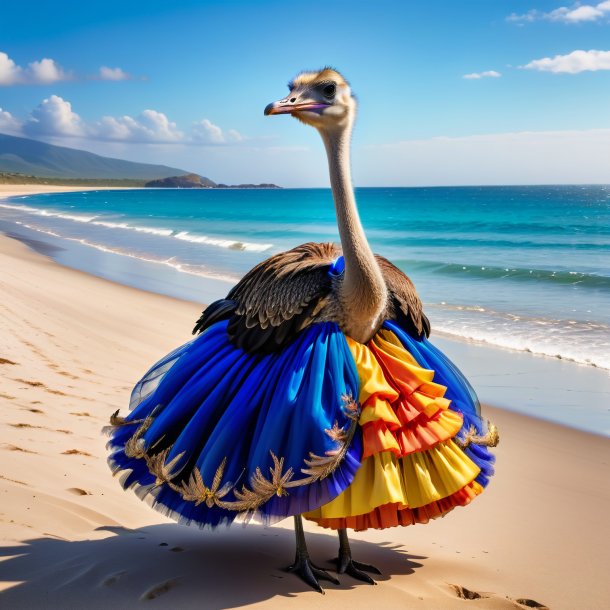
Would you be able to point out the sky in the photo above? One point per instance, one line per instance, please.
(449, 93)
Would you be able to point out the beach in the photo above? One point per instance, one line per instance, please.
(72, 347)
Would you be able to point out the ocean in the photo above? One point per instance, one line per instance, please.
(526, 268)
(523, 268)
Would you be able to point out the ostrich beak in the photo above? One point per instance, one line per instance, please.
(288, 106)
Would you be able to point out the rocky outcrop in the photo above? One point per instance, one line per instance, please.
(188, 181)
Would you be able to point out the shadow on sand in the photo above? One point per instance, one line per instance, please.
(183, 566)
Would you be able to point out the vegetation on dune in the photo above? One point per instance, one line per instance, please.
(16, 178)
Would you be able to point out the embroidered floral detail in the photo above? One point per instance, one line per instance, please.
(163, 471)
(195, 490)
(135, 447)
(260, 489)
(490, 439)
(116, 420)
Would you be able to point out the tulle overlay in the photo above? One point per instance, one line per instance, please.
(412, 469)
(234, 431)
(352, 435)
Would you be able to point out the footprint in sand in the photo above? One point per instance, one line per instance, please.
(22, 425)
(34, 384)
(75, 452)
(66, 374)
(32, 426)
(77, 491)
(158, 590)
(39, 384)
(112, 579)
(13, 480)
(464, 593)
(16, 448)
(530, 603)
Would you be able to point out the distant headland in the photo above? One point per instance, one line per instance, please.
(195, 181)
(26, 161)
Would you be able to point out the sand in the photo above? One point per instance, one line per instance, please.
(71, 347)
(17, 190)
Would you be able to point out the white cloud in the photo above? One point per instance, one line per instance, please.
(205, 132)
(40, 72)
(54, 117)
(10, 72)
(149, 126)
(44, 72)
(235, 135)
(107, 73)
(576, 13)
(8, 123)
(47, 71)
(580, 13)
(572, 63)
(530, 16)
(546, 157)
(478, 75)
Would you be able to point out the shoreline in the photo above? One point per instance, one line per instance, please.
(19, 190)
(550, 388)
(75, 247)
(71, 537)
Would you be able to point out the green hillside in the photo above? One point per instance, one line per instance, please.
(34, 158)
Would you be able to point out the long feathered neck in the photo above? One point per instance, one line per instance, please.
(363, 291)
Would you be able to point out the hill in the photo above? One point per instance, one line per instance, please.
(195, 181)
(187, 181)
(34, 158)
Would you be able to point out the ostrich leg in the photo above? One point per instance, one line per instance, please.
(346, 565)
(302, 565)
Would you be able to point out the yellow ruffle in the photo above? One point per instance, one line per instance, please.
(413, 380)
(409, 482)
(391, 515)
(377, 408)
(370, 375)
(402, 409)
(410, 460)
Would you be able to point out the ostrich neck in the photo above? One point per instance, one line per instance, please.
(363, 292)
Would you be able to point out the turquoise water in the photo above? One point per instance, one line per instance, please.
(520, 267)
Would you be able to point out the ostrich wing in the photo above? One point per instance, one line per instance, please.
(275, 299)
(405, 305)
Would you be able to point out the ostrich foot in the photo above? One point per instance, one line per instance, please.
(346, 565)
(310, 573)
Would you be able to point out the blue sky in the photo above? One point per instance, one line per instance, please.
(472, 92)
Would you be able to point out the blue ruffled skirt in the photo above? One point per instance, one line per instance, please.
(215, 433)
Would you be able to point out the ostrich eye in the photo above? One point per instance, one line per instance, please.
(329, 90)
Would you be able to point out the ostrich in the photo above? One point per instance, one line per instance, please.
(311, 389)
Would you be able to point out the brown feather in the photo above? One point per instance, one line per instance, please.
(279, 296)
(405, 298)
(291, 290)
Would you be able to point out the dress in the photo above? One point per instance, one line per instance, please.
(349, 435)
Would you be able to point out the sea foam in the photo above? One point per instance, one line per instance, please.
(95, 220)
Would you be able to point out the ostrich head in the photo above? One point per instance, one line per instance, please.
(321, 99)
